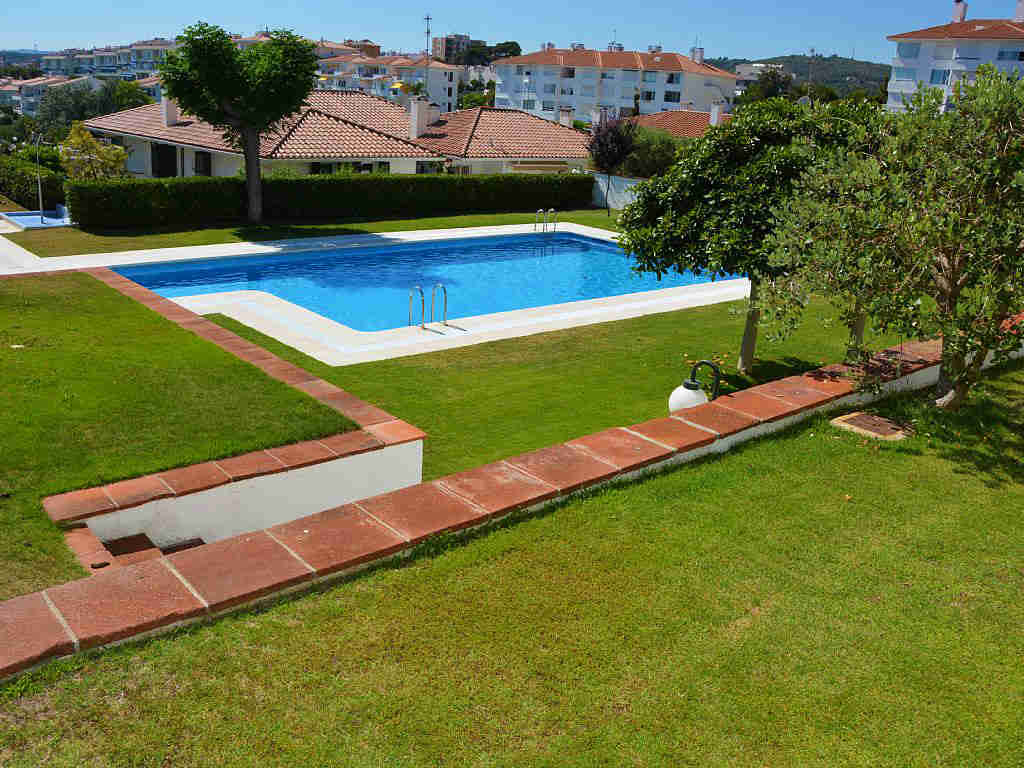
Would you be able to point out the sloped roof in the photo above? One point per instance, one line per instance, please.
(489, 132)
(684, 123)
(313, 133)
(665, 62)
(974, 29)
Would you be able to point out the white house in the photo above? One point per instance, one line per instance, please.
(390, 77)
(348, 130)
(578, 83)
(941, 56)
(26, 95)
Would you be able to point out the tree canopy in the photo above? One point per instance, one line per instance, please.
(241, 92)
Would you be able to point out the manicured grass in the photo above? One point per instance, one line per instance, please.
(97, 388)
(812, 599)
(490, 401)
(6, 204)
(70, 241)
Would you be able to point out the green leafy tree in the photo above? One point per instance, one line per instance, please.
(609, 145)
(85, 158)
(61, 106)
(118, 95)
(928, 229)
(770, 84)
(242, 93)
(713, 211)
(653, 153)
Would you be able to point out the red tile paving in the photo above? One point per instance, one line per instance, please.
(29, 633)
(422, 510)
(626, 451)
(795, 391)
(338, 539)
(197, 477)
(723, 421)
(319, 388)
(138, 490)
(564, 467)
(250, 465)
(396, 432)
(240, 569)
(831, 383)
(674, 433)
(115, 604)
(76, 505)
(351, 443)
(757, 406)
(359, 411)
(88, 549)
(499, 488)
(301, 454)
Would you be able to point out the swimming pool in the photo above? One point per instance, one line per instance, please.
(367, 288)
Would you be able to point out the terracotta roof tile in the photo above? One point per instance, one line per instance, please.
(972, 29)
(685, 123)
(490, 132)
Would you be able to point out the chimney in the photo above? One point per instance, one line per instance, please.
(716, 114)
(168, 109)
(433, 113)
(565, 116)
(960, 10)
(1018, 15)
(697, 54)
(417, 116)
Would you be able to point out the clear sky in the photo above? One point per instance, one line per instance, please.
(739, 28)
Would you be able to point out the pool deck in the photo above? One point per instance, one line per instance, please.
(336, 344)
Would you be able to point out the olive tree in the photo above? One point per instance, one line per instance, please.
(241, 92)
(926, 230)
(712, 212)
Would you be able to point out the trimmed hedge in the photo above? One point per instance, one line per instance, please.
(18, 182)
(198, 201)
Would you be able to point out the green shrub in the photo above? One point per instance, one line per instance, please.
(18, 181)
(198, 201)
(49, 157)
(654, 152)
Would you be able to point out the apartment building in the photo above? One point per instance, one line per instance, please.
(392, 77)
(24, 96)
(578, 83)
(941, 56)
(450, 47)
(128, 62)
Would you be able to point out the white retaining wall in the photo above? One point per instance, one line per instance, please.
(620, 193)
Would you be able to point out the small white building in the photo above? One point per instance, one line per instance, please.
(943, 55)
(393, 77)
(615, 83)
(348, 130)
(24, 96)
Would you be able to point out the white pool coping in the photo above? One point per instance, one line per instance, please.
(335, 344)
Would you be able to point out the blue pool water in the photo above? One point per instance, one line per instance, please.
(31, 219)
(368, 288)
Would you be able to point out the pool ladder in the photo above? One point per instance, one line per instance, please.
(433, 301)
(544, 223)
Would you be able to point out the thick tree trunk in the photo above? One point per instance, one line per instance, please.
(856, 343)
(253, 181)
(749, 344)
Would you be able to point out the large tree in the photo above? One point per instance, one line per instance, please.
(243, 93)
(713, 211)
(925, 228)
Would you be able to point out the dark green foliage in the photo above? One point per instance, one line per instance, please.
(843, 75)
(18, 181)
(610, 144)
(195, 201)
(48, 157)
(653, 153)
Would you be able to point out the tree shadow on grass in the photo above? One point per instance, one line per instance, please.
(764, 371)
(985, 438)
(272, 231)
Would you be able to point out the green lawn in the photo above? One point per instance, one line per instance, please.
(97, 388)
(489, 401)
(6, 204)
(70, 241)
(811, 599)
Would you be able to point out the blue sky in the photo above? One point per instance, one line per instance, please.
(740, 28)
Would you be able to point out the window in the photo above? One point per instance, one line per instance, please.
(429, 166)
(568, 72)
(965, 51)
(325, 168)
(1010, 55)
(203, 165)
(672, 97)
(650, 77)
(529, 103)
(567, 90)
(451, 76)
(502, 102)
(940, 77)
(550, 88)
(674, 78)
(449, 93)
(647, 96)
(607, 75)
(908, 50)
(943, 52)
(904, 73)
(547, 106)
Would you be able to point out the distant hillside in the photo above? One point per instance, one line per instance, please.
(838, 72)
